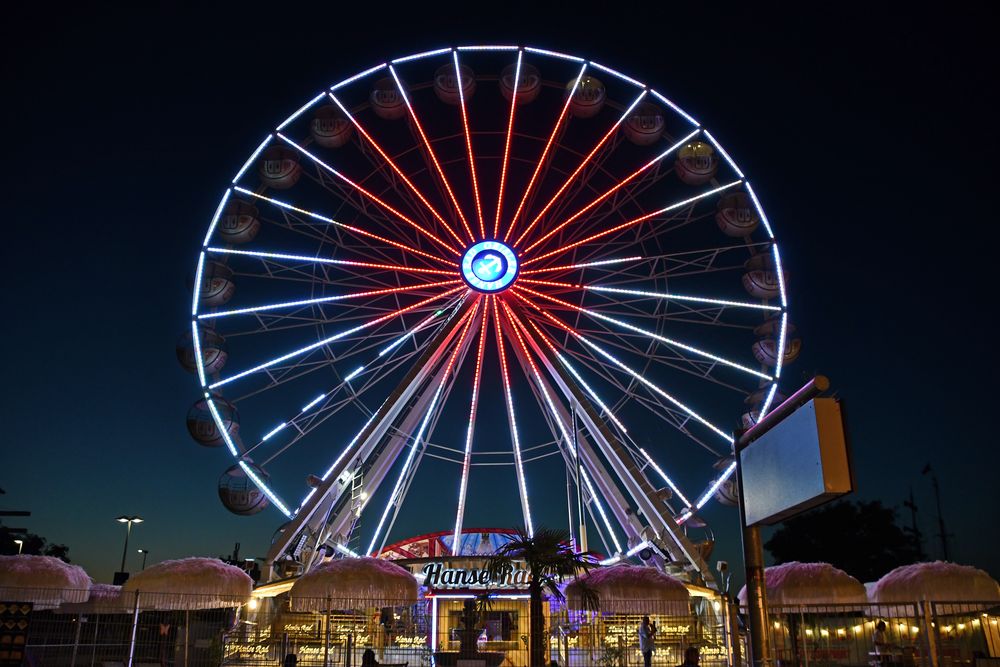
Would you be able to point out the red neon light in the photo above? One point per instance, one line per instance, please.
(506, 146)
(541, 160)
(466, 465)
(569, 180)
(468, 147)
(403, 176)
(592, 204)
(551, 283)
(437, 165)
(369, 195)
(396, 244)
(617, 228)
(395, 267)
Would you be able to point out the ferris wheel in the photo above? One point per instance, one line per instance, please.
(480, 258)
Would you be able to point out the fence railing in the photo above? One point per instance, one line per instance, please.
(917, 634)
(145, 629)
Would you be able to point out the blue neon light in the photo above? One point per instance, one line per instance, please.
(489, 266)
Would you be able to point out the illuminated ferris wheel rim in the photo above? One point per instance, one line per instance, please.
(488, 266)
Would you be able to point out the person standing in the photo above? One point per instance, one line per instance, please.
(647, 637)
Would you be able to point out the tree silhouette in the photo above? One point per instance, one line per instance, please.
(861, 539)
(33, 544)
(549, 560)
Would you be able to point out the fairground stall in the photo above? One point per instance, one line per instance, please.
(346, 607)
(925, 614)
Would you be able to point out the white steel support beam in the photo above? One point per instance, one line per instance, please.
(670, 536)
(385, 459)
(373, 432)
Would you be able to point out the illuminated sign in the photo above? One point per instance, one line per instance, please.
(489, 266)
(436, 575)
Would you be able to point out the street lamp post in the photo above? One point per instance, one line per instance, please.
(20, 546)
(144, 552)
(128, 520)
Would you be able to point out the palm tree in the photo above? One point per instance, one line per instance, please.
(549, 560)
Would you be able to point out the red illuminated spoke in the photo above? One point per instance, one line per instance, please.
(324, 260)
(506, 146)
(399, 172)
(421, 436)
(467, 460)
(631, 223)
(370, 195)
(610, 133)
(468, 147)
(430, 151)
(521, 483)
(545, 153)
(628, 179)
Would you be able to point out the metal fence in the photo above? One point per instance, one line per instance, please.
(924, 634)
(432, 632)
(146, 629)
(138, 629)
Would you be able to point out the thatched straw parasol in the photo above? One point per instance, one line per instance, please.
(104, 599)
(937, 582)
(351, 583)
(189, 583)
(631, 589)
(43, 580)
(793, 584)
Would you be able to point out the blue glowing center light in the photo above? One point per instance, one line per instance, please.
(489, 266)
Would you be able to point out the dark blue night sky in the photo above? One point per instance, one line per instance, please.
(869, 138)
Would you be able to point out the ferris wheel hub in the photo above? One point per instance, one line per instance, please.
(489, 267)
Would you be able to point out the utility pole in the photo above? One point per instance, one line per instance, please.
(943, 533)
(918, 540)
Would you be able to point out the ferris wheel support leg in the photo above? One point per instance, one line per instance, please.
(384, 459)
(375, 430)
(636, 484)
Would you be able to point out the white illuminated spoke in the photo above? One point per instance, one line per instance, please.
(638, 376)
(681, 297)
(325, 299)
(618, 186)
(584, 265)
(655, 336)
(370, 195)
(418, 437)
(545, 152)
(430, 151)
(634, 221)
(593, 394)
(467, 460)
(330, 339)
(664, 477)
(506, 147)
(521, 483)
(399, 172)
(350, 228)
(586, 160)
